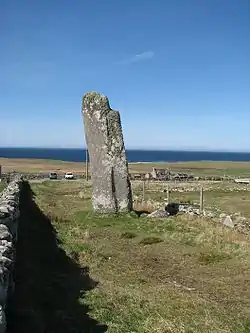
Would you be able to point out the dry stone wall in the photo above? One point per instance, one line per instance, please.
(9, 214)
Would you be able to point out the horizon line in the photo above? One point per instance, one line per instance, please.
(198, 150)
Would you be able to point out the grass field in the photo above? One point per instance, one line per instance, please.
(85, 273)
(197, 168)
(1, 186)
(226, 197)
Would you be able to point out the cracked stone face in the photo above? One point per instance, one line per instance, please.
(108, 162)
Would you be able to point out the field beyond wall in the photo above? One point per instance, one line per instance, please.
(233, 169)
(78, 272)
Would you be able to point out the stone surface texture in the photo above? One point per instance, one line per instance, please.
(9, 214)
(108, 162)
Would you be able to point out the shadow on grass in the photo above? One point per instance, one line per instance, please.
(48, 282)
(140, 212)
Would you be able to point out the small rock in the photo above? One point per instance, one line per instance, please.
(159, 213)
(223, 216)
(237, 214)
(240, 219)
(81, 194)
(196, 211)
(228, 222)
(86, 234)
(209, 214)
(182, 208)
(2, 320)
(5, 262)
(144, 215)
(4, 233)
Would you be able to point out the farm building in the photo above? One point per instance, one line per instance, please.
(160, 174)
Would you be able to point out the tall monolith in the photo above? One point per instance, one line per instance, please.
(111, 192)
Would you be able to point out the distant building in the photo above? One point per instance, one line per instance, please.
(160, 174)
(166, 174)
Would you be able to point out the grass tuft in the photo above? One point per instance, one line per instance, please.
(151, 240)
(213, 257)
(128, 235)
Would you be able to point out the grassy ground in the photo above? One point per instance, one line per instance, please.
(84, 273)
(1, 186)
(197, 168)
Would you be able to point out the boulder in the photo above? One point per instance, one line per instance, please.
(172, 208)
(159, 214)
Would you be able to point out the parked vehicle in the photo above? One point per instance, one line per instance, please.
(53, 175)
(69, 175)
(242, 181)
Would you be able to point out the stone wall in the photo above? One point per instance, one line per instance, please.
(9, 214)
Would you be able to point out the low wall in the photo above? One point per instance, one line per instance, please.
(37, 176)
(9, 214)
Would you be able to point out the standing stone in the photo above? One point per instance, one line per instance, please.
(111, 191)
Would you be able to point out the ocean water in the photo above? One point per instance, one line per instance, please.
(78, 155)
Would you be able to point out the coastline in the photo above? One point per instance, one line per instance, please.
(216, 168)
(133, 156)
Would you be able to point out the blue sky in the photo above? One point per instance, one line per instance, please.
(178, 71)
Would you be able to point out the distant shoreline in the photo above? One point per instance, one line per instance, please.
(197, 168)
(48, 160)
(133, 156)
(203, 151)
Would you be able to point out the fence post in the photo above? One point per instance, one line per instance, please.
(201, 199)
(168, 194)
(143, 189)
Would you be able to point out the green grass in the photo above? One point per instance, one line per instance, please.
(213, 257)
(149, 240)
(202, 168)
(184, 274)
(128, 234)
(1, 186)
(218, 196)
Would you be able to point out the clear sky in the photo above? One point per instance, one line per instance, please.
(177, 70)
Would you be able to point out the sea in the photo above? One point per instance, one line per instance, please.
(136, 156)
